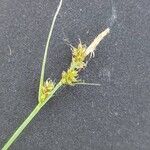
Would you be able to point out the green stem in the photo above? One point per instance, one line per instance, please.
(22, 127)
(29, 118)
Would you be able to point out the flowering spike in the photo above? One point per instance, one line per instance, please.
(46, 89)
(78, 56)
(69, 77)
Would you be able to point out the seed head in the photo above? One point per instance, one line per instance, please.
(46, 89)
(69, 77)
(78, 56)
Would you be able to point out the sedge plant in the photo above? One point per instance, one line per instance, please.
(70, 76)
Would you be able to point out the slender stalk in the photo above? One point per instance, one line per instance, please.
(22, 127)
(29, 118)
(82, 83)
(46, 49)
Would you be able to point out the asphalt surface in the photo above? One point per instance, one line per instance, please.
(114, 116)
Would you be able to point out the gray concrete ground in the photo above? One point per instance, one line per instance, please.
(114, 116)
